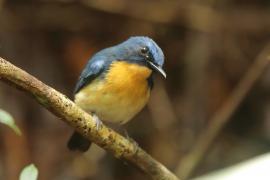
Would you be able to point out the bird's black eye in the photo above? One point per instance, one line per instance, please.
(144, 50)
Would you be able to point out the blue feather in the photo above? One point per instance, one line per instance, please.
(129, 51)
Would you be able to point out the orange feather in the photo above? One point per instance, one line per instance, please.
(120, 95)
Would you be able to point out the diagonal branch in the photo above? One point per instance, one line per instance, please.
(189, 163)
(64, 108)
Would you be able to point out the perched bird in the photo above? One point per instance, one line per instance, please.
(116, 83)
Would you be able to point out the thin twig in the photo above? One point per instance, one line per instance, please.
(62, 15)
(221, 117)
(64, 108)
(174, 12)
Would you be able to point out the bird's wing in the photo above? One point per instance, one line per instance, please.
(93, 69)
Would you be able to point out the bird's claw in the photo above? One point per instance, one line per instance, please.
(130, 139)
(97, 121)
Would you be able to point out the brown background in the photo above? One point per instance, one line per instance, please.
(208, 46)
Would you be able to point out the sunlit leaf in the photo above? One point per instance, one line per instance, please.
(30, 172)
(7, 119)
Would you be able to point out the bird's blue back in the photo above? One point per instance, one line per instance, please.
(98, 65)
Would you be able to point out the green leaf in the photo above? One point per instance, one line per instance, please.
(8, 120)
(30, 172)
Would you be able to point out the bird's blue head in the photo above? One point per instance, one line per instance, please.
(143, 51)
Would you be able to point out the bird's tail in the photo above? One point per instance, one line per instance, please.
(78, 142)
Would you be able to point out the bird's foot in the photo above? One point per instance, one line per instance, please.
(130, 139)
(126, 133)
(97, 120)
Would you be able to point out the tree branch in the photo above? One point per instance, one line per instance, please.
(201, 17)
(188, 164)
(64, 108)
(188, 14)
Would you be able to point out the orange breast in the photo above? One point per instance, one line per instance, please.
(120, 95)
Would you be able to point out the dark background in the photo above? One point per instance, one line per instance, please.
(208, 45)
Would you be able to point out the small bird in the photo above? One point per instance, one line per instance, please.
(115, 84)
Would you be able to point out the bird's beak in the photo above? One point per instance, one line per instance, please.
(157, 68)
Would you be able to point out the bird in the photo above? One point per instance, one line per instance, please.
(116, 83)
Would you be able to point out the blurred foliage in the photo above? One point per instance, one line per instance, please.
(208, 45)
(7, 119)
(30, 172)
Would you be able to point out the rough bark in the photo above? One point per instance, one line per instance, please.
(82, 122)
